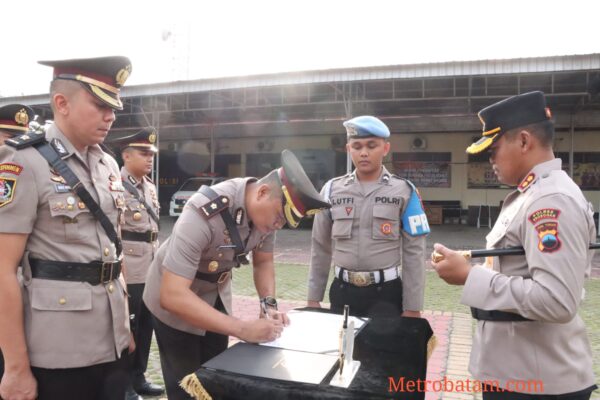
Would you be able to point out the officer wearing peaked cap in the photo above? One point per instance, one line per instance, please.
(14, 120)
(526, 306)
(188, 290)
(374, 233)
(66, 334)
(140, 243)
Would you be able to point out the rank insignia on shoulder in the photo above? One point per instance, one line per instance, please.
(26, 140)
(214, 207)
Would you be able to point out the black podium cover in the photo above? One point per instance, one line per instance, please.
(388, 348)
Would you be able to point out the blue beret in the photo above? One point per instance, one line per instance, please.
(366, 126)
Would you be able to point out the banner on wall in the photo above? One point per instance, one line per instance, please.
(586, 175)
(424, 173)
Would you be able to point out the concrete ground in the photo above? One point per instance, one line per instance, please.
(453, 331)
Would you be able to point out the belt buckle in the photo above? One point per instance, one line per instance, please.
(360, 278)
(153, 236)
(105, 266)
(223, 277)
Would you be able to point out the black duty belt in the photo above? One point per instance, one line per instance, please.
(214, 278)
(94, 272)
(496, 315)
(148, 236)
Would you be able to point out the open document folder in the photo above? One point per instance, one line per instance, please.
(314, 332)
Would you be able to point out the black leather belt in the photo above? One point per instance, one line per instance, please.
(94, 272)
(213, 278)
(148, 236)
(496, 315)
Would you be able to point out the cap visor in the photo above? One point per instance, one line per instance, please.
(482, 144)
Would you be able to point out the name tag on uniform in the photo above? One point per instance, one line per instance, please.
(116, 186)
(60, 188)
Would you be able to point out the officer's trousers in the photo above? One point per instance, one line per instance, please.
(182, 353)
(378, 300)
(141, 326)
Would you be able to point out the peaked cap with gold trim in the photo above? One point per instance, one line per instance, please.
(514, 112)
(15, 118)
(143, 140)
(300, 198)
(101, 76)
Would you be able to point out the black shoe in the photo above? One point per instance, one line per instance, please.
(130, 394)
(149, 388)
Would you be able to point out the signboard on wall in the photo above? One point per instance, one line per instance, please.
(424, 173)
(481, 175)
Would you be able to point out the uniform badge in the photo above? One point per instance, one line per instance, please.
(59, 147)
(348, 210)
(122, 75)
(548, 237)
(116, 186)
(213, 266)
(132, 180)
(10, 168)
(386, 228)
(21, 117)
(62, 188)
(58, 179)
(112, 178)
(239, 216)
(544, 213)
(7, 190)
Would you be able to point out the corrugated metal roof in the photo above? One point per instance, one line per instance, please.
(410, 71)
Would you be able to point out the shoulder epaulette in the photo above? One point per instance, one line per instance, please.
(215, 206)
(412, 185)
(26, 140)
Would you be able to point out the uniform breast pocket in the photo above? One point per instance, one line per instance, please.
(386, 222)
(133, 212)
(133, 248)
(70, 216)
(343, 218)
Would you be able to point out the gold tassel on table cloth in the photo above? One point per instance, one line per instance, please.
(192, 386)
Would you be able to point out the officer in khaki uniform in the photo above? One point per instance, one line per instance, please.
(14, 120)
(188, 290)
(140, 243)
(528, 328)
(65, 334)
(374, 233)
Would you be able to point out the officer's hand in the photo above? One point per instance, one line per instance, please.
(274, 314)
(454, 268)
(312, 303)
(18, 385)
(131, 343)
(261, 330)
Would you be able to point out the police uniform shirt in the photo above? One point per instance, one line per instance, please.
(196, 242)
(137, 254)
(549, 216)
(363, 232)
(67, 324)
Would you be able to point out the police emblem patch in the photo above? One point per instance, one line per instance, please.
(386, 228)
(348, 210)
(548, 237)
(544, 213)
(7, 190)
(10, 168)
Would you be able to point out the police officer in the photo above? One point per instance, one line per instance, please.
(140, 242)
(65, 335)
(374, 232)
(526, 306)
(14, 120)
(188, 290)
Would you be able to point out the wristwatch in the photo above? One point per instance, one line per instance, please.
(268, 302)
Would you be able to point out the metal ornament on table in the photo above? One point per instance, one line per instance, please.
(347, 366)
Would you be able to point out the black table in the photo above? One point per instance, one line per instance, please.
(388, 348)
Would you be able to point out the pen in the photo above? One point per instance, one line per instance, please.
(343, 338)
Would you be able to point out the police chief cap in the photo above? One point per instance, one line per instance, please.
(142, 140)
(514, 112)
(300, 198)
(15, 118)
(366, 126)
(101, 76)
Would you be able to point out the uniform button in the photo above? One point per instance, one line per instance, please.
(94, 180)
(62, 301)
(213, 266)
(137, 216)
(106, 251)
(220, 255)
(131, 250)
(111, 288)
